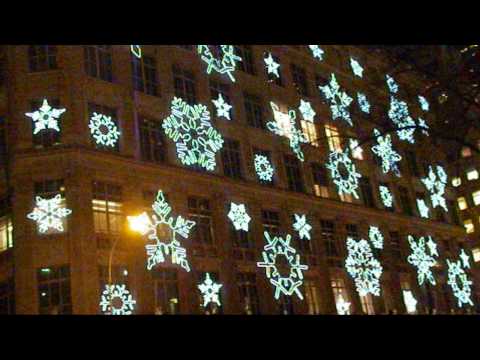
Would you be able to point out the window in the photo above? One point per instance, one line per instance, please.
(312, 297)
(466, 151)
(271, 222)
(412, 163)
(247, 287)
(47, 137)
(247, 63)
(366, 190)
(184, 84)
(107, 111)
(405, 201)
(7, 297)
(469, 227)
(3, 142)
(333, 137)
(328, 236)
(144, 72)
(476, 197)
(6, 227)
(352, 231)
(367, 304)
(272, 78)
(254, 111)
(202, 233)
(42, 57)
(231, 159)
(320, 180)
(107, 206)
(152, 144)
(212, 308)
(98, 61)
(456, 182)
(472, 175)
(294, 175)
(395, 246)
(243, 244)
(285, 305)
(54, 290)
(339, 292)
(119, 276)
(305, 248)
(462, 203)
(167, 295)
(217, 89)
(299, 78)
(476, 254)
(310, 131)
(453, 212)
(47, 190)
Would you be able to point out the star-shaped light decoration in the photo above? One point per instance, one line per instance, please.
(343, 307)
(104, 130)
(432, 246)
(410, 301)
(465, 259)
(423, 209)
(307, 111)
(347, 180)
(339, 100)
(45, 118)
(272, 66)
(48, 213)
(117, 300)
(424, 105)
(317, 51)
(302, 226)
(386, 196)
(210, 291)
(223, 108)
(239, 217)
(363, 103)
(356, 68)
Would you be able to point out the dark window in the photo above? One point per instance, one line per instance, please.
(106, 111)
(247, 287)
(107, 205)
(243, 244)
(54, 290)
(3, 141)
(294, 174)
(42, 57)
(454, 212)
(167, 296)
(412, 163)
(271, 222)
(285, 305)
(366, 190)
(305, 248)
(405, 201)
(247, 63)
(217, 89)
(300, 79)
(395, 247)
(202, 233)
(273, 78)
(186, 47)
(46, 137)
(320, 180)
(119, 276)
(254, 111)
(352, 231)
(184, 84)
(98, 61)
(144, 71)
(152, 144)
(7, 297)
(328, 236)
(231, 158)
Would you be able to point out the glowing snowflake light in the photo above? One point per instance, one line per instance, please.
(104, 130)
(460, 283)
(339, 101)
(400, 116)
(344, 173)
(45, 118)
(48, 214)
(224, 63)
(423, 209)
(263, 168)
(302, 226)
(317, 52)
(436, 182)
(410, 301)
(136, 50)
(239, 217)
(307, 111)
(272, 66)
(160, 227)
(356, 149)
(210, 291)
(376, 237)
(465, 259)
(223, 108)
(356, 68)
(363, 103)
(117, 300)
(422, 124)
(343, 307)
(276, 272)
(384, 150)
(423, 258)
(363, 267)
(423, 103)
(392, 84)
(196, 139)
(386, 196)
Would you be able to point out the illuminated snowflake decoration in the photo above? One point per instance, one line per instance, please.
(288, 129)
(460, 283)
(276, 248)
(376, 237)
(210, 291)
(400, 116)
(363, 267)
(239, 217)
(436, 182)
(224, 63)
(48, 214)
(160, 227)
(424, 126)
(410, 301)
(104, 130)
(356, 149)
(344, 173)
(423, 258)
(423, 209)
(363, 103)
(424, 105)
(272, 66)
(356, 68)
(307, 111)
(339, 101)
(392, 84)
(465, 259)
(386, 196)
(136, 50)
(223, 108)
(45, 118)
(343, 307)
(195, 138)
(302, 226)
(263, 168)
(117, 300)
(317, 51)
(384, 150)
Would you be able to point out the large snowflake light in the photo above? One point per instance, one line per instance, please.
(363, 267)
(460, 283)
(224, 63)
(376, 237)
(163, 230)
(400, 116)
(307, 111)
(48, 213)
(384, 150)
(210, 291)
(239, 217)
(271, 65)
(339, 100)
(356, 68)
(317, 51)
(423, 209)
(302, 226)
(263, 168)
(196, 139)
(423, 258)
(386, 196)
(46, 117)
(276, 249)
(363, 103)
(410, 301)
(104, 130)
(223, 108)
(436, 182)
(344, 173)
(117, 300)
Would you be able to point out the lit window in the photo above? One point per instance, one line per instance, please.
(476, 197)
(469, 226)
(462, 203)
(310, 131)
(472, 175)
(476, 254)
(333, 137)
(456, 182)
(348, 198)
(6, 232)
(466, 152)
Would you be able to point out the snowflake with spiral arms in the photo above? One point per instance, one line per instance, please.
(104, 130)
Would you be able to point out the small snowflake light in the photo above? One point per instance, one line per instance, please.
(436, 182)
(48, 213)
(423, 209)
(460, 283)
(277, 248)
(307, 111)
(239, 217)
(392, 84)
(410, 301)
(136, 50)
(272, 66)
(423, 258)
(263, 168)
(356, 149)
(465, 259)
(363, 267)
(356, 68)
(190, 128)
(317, 51)
(117, 300)
(384, 150)
(376, 237)
(224, 63)
(210, 291)
(400, 116)
(302, 226)
(422, 124)
(344, 173)
(45, 118)
(343, 307)
(104, 130)
(386, 196)
(425, 106)
(363, 103)
(339, 100)
(223, 108)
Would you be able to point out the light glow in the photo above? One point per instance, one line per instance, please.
(239, 217)
(48, 214)
(46, 117)
(210, 291)
(104, 130)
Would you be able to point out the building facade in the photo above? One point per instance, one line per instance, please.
(65, 271)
